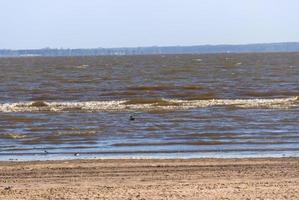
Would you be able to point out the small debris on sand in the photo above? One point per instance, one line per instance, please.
(8, 188)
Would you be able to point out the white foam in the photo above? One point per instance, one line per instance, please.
(168, 104)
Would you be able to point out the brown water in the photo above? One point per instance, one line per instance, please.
(221, 105)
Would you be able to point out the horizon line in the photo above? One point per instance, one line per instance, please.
(157, 46)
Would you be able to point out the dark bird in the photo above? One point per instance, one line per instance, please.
(76, 154)
(46, 152)
(132, 118)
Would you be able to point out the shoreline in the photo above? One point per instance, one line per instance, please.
(201, 178)
(146, 159)
(159, 156)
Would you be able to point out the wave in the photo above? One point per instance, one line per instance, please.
(201, 143)
(11, 136)
(264, 94)
(146, 105)
(165, 87)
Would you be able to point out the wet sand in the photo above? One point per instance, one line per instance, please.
(275, 178)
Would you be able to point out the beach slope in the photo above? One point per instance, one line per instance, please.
(265, 178)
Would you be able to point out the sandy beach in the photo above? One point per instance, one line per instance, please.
(264, 178)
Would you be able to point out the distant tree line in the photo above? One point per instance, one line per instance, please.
(270, 47)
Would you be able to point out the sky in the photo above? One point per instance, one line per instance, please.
(31, 24)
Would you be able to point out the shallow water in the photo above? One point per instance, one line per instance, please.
(222, 105)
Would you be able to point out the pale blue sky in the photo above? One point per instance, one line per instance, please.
(130, 23)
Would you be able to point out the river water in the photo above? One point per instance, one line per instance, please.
(183, 106)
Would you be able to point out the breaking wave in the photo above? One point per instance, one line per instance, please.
(146, 105)
(11, 136)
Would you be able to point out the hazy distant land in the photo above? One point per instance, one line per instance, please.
(200, 49)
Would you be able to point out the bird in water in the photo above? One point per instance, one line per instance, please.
(76, 154)
(132, 118)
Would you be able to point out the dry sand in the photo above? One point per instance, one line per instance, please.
(151, 179)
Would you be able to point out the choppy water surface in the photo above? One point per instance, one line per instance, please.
(222, 105)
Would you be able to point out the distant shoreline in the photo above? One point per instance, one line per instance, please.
(155, 50)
